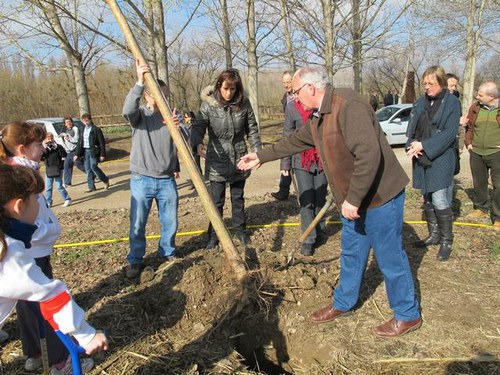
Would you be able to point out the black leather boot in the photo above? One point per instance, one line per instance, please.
(445, 224)
(432, 226)
(213, 241)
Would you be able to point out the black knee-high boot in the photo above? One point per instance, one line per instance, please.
(432, 226)
(445, 224)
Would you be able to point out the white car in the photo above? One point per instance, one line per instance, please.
(394, 121)
(55, 125)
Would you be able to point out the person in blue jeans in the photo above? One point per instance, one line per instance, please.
(154, 167)
(92, 148)
(70, 138)
(368, 184)
(53, 157)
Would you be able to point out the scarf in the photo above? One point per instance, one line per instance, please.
(311, 156)
(18, 160)
(20, 231)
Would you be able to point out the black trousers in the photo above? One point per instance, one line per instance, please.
(284, 187)
(28, 325)
(483, 167)
(218, 194)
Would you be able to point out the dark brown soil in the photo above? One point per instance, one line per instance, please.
(188, 319)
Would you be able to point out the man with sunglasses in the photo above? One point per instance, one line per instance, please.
(368, 184)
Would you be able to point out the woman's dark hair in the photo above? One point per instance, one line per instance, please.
(18, 133)
(190, 114)
(231, 76)
(15, 182)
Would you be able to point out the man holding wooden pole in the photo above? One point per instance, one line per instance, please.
(154, 167)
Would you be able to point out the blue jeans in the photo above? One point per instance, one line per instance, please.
(93, 170)
(143, 191)
(441, 199)
(381, 229)
(68, 167)
(60, 188)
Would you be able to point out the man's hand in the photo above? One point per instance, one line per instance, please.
(176, 175)
(249, 161)
(349, 211)
(75, 158)
(101, 158)
(200, 149)
(469, 147)
(141, 69)
(464, 120)
(415, 150)
(98, 343)
(285, 173)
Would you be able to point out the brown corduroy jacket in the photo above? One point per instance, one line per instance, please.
(359, 163)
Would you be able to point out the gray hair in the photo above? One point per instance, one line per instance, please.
(490, 88)
(316, 76)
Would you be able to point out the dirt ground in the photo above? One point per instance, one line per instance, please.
(187, 320)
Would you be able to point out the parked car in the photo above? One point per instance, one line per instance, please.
(394, 120)
(55, 125)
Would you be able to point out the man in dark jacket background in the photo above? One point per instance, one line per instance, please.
(93, 149)
(368, 184)
(285, 177)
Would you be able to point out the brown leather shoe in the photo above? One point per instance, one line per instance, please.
(396, 328)
(327, 314)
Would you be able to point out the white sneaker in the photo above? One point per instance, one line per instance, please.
(67, 203)
(3, 336)
(33, 363)
(87, 364)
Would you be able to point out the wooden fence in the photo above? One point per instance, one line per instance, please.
(267, 112)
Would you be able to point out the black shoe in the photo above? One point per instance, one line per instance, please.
(307, 249)
(279, 196)
(243, 238)
(212, 243)
(90, 190)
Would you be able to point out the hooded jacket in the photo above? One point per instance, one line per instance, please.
(227, 127)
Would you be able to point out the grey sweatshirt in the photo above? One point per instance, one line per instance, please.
(153, 151)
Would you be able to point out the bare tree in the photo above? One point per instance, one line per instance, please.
(48, 22)
(452, 24)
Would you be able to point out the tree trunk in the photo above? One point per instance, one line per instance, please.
(73, 56)
(329, 37)
(150, 37)
(409, 93)
(160, 45)
(226, 25)
(357, 47)
(288, 36)
(253, 69)
(474, 29)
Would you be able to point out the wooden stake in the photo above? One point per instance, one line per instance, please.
(227, 243)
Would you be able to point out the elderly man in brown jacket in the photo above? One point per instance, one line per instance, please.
(368, 184)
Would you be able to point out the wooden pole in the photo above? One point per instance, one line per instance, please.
(227, 243)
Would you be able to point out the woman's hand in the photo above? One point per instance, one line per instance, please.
(285, 173)
(98, 343)
(200, 149)
(415, 150)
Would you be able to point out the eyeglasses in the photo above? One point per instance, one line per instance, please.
(295, 93)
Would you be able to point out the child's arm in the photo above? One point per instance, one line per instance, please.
(24, 280)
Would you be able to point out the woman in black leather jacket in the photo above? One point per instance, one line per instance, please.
(227, 115)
